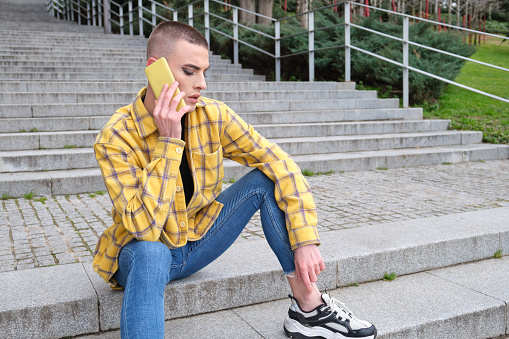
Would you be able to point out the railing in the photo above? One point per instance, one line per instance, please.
(125, 18)
(84, 12)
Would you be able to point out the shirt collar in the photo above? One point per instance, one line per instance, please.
(143, 120)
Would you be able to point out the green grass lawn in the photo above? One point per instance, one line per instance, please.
(474, 112)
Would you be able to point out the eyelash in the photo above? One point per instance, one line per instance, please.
(186, 72)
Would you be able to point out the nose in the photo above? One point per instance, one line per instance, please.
(201, 84)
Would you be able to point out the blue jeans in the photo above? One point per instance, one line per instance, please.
(146, 267)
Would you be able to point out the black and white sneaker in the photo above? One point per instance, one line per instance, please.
(331, 320)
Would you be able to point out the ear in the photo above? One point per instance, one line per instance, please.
(150, 61)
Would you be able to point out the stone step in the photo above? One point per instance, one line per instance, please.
(36, 133)
(455, 302)
(90, 180)
(41, 156)
(15, 115)
(468, 300)
(135, 76)
(134, 87)
(107, 97)
(7, 65)
(337, 109)
(214, 69)
(310, 139)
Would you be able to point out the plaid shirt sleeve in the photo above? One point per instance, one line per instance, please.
(243, 144)
(141, 197)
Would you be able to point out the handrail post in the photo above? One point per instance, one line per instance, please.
(94, 22)
(175, 16)
(88, 13)
(207, 23)
(235, 36)
(190, 14)
(278, 49)
(405, 62)
(99, 16)
(107, 16)
(72, 10)
(154, 18)
(140, 17)
(311, 45)
(347, 42)
(130, 9)
(79, 12)
(121, 18)
(67, 14)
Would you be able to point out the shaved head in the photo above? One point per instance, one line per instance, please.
(164, 37)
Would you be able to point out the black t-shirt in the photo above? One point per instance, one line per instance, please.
(185, 172)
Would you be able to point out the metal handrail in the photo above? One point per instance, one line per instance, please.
(59, 7)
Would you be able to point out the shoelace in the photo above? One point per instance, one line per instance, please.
(340, 309)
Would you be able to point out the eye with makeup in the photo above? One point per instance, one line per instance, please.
(189, 73)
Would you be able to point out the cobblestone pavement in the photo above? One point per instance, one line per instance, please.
(64, 229)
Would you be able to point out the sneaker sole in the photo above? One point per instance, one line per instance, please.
(296, 330)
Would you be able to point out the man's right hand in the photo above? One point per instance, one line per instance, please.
(165, 112)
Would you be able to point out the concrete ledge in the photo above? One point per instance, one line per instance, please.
(47, 302)
(418, 306)
(249, 273)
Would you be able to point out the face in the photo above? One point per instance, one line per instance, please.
(189, 63)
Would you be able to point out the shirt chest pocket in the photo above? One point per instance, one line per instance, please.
(209, 169)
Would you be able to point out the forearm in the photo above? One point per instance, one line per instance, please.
(141, 196)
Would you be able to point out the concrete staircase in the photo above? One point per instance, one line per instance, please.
(59, 85)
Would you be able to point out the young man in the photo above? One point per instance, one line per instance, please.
(164, 168)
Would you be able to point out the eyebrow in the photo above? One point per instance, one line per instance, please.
(195, 67)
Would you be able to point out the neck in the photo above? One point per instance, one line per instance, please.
(150, 100)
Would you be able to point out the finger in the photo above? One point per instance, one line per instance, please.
(307, 282)
(169, 95)
(159, 102)
(312, 276)
(175, 101)
(322, 266)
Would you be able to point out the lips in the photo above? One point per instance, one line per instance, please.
(193, 98)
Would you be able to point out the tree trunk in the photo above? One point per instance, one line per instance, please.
(265, 8)
(245, 17)
(302, 7)
(450, 11)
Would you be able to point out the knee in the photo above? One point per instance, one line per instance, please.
(153, 255)
(262, 180)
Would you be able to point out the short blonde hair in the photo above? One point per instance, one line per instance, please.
(164, 37)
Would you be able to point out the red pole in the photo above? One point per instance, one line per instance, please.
(445, 27)
(367, 9)
(394, 6)
(285, 4)
(427, 6)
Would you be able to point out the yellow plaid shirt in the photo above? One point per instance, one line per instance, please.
(141, 172)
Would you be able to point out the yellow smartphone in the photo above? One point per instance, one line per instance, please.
(158, 74)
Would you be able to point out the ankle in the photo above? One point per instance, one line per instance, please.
(309, 301)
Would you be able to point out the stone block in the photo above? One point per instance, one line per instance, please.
(369, 252)
(470, 137)
(246, 273)
(76, 181)
(47, 302)
(16, 184)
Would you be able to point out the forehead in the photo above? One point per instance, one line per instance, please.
(185, 52)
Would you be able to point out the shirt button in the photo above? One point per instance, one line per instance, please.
(178, 150)
(182, 224)
(178, 188)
